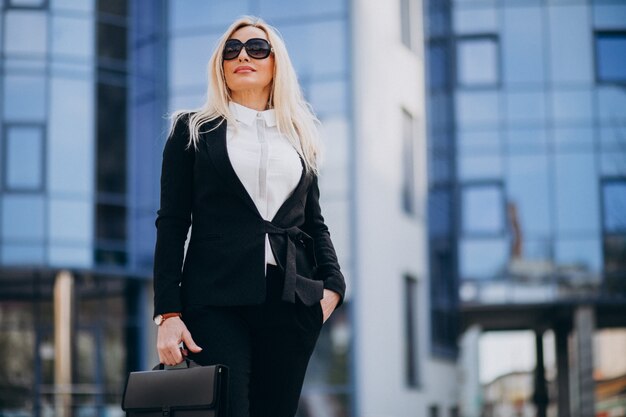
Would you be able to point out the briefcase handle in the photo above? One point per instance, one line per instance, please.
(190, 364)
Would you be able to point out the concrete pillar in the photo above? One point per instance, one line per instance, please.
(540, 396)
(470, 399)
(562, 368)
(63, 303)
(584, 327)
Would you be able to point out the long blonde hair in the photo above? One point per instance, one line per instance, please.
(294, 116)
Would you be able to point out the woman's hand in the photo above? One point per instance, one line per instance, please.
(171, 332)
(329, 303)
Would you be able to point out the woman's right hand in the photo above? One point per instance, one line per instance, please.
(169, 335)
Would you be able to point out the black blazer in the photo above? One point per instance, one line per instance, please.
(225, 260)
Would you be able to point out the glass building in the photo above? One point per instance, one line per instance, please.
(85, 86)
(527, 145)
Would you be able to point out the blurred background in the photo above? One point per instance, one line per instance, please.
(474, 185)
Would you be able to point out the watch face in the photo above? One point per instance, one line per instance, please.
(158, 319)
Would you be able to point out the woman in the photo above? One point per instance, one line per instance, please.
(260, 275)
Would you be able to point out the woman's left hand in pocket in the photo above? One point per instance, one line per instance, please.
(329, 303)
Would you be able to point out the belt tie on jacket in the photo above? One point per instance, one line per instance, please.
(292, 234)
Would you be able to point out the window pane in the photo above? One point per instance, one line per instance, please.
(576, 193)
(70, 221)
(72, 36)
(614, 199)
(188, 58)
(523, 45)
(292, 8)
(475, 108)
(527, 141)
(25, 98)
(477, 62)
(528, 192)
(329, 97)
(525, 108)
(25, 32)
(26, 3)
(308, 49)
(438, 66)
(574, 138)
(483, 258)
(440, 212)
(23, 218)
(479, 142)
(572, 106)
(570, 43)
(70, 256)
(411, 320)
(408, 161)
(70, 132)
(611, 57)
(405, 22)
(579, 259)
(609, 16)
(482, 207)
(611, 103)
(22, 254)
(473, 20)
(111, 40)
(24, 157)
(193, 13)
(480, 167)
(81, 5)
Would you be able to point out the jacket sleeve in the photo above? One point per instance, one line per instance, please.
(328, 269)
(173, 217)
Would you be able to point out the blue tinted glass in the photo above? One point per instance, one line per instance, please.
(570, 43)
(72, 36)
(475, 20)
(528, 191)
(612, 163)
(24, 98)
(612, 138)
(70, 221)
(579, 259)
(526, 141)
(70, 255)
(188, 60)
(478, 108)
(202, 13)
(523, 108)
(572, 106)
(480, 167)
(477, 61)
(25, 32)
(297, 8)
(439, 212)
(611, 57)
(82, 5)
(70, 146)
(479, 142)
(328, 97)
(611, 103)
(574, 138)
(438, 66)
(482, 207)
(26, 3)
(576, 193)
(482, 258)
(523, 45)
(23, 218)
(24, 157)
(21, 254)
(609, 16)
(614, 194)
(307, 45)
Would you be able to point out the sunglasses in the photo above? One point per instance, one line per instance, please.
(256, 48)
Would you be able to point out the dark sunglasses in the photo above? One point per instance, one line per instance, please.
(256, 48)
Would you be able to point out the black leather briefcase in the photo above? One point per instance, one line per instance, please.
(193, 391)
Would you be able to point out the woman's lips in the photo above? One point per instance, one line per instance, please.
(244, 69)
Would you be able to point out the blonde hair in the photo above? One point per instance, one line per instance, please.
(294, 116)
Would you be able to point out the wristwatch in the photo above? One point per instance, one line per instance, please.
(160, 318)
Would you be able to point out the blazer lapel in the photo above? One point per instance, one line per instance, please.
(215, 142)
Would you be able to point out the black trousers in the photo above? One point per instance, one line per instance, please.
(267, 348)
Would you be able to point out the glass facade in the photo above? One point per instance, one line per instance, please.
(527, 139)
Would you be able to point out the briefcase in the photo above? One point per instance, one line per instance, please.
(192, 391)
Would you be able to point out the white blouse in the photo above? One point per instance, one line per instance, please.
(265, 161)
